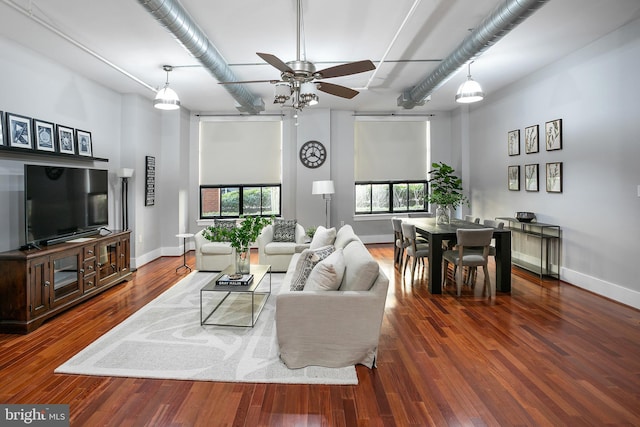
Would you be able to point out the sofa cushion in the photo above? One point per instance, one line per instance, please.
(327, 274)
(307, 260)
(216, 248)
(323, 237)
(284, 230)
(280, 248)
(361, 269)
(344, 236)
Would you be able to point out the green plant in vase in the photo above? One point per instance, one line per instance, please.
(446, 191)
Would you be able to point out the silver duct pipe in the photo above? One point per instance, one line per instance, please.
(177, 20)
(505, 17)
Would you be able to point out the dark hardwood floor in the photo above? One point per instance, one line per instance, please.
(547, 354)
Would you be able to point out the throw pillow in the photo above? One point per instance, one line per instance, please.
(284, 230)
(323, 237)
(327, 274)
(362, 270)
(308, 259)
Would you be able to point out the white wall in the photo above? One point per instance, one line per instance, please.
(594, 91)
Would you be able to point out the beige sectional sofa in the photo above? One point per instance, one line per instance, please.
(332, 328)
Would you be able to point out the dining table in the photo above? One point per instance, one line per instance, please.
(436, 234)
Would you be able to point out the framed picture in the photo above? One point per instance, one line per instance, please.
(66, 140)
(83, 138)
(19, 131)
(150, 181)
(531, 139)
(554, 177)
(513, 142)
(514, 178)
(2, 139)
(531, 177)
(553, 134)
(45, 135)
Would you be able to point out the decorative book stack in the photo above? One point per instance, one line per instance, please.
(235, 279)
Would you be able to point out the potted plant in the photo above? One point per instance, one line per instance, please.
(446, 191)
(240, 238)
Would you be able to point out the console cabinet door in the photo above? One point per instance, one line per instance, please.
(39, 285)
(108, 254)
(66, 280)
(125, 254)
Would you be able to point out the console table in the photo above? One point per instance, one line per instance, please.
(549, 235)
(37, 284)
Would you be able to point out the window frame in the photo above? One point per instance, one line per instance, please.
(390, 184)
(241, 188)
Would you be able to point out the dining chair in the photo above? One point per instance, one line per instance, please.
(415, 251)
(399, 243)
(472, 273)
(467, 253)
(470, 218)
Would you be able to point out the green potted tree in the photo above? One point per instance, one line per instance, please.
(446, 191)
(240, 238)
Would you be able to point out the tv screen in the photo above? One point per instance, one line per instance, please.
(62, 202)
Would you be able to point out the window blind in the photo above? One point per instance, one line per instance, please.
(390, 150)
(240, 152)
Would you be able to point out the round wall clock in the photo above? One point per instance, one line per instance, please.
(313, 154)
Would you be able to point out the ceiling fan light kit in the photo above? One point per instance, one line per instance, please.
(166, 98)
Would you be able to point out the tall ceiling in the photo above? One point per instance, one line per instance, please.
(406, 40)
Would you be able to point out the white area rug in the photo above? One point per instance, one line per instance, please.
(164, 340)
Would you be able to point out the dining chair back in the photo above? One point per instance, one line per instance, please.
(416, 252)
(470, 218)
(471, 250)
(399, 243)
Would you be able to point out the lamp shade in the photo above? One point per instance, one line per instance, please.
(125, 173)
(166, 99)
(469, 91)
(323, 187)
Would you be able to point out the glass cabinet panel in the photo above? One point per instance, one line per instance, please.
(65, 276)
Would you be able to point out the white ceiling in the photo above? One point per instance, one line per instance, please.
(336, 31)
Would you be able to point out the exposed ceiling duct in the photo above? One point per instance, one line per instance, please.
(177, 20)
(505, 17)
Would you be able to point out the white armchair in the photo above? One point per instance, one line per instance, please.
(278, 254)
(213, 256)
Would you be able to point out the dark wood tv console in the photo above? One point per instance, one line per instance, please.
(37, 284)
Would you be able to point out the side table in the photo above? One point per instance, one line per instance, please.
(184, 237)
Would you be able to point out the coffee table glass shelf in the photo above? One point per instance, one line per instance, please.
(235, 305)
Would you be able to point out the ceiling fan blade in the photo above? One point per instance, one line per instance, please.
(337, 90)
(275, 62)
(249, 81)
(347, 69)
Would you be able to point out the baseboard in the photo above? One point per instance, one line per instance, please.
(601, 287)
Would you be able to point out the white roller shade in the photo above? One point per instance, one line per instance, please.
(240, 152)
(390, 150)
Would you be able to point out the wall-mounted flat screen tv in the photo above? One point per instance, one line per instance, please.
(62, 203)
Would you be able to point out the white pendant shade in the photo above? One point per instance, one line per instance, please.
(166, 99)
(469, 91)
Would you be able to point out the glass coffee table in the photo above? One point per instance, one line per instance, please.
(235, 305)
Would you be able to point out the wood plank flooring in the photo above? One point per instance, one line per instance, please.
(547, 354)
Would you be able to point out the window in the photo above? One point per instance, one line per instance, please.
(390, 197)
(234, 201)
(391, 164)
(240, 166)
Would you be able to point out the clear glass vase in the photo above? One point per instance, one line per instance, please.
(242, 261)
(443, 215)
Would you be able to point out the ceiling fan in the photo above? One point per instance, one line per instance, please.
(299, 79)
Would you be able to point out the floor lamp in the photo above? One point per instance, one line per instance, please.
(325, 188)
(125, 174)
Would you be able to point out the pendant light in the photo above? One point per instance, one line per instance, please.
(470, 91)
(166, 98)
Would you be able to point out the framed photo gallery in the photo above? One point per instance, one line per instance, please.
(35, 135)
(552, 141)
